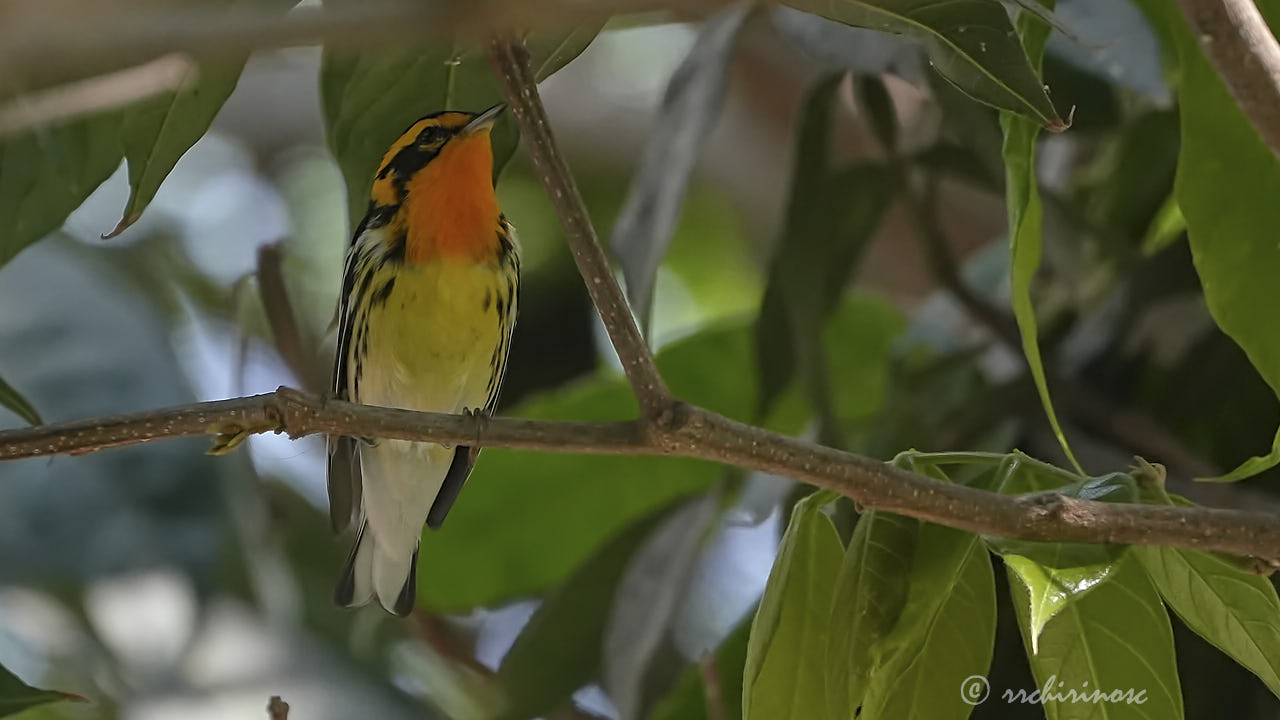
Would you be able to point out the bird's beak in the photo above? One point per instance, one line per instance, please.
(485, 120)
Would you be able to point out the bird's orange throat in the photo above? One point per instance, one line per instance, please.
(450, 206)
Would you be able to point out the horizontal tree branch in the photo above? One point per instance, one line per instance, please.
(690, 432)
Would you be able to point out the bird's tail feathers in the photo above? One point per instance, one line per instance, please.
(370, 572)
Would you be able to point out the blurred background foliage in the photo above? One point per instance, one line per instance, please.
(838, 175)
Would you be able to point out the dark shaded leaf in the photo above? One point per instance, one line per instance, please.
(831, 216)
(13, 400)
(786, 654)
(1116, 638)
(970, 42)
(45, 173)
(559, 650)
(369, 98)
(695, 94)
(688, 701)
(16, 696)
(647, 599)
(1025, 231)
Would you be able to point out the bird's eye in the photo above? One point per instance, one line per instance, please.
(431, 135)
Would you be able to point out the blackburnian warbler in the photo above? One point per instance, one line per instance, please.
(428, 304)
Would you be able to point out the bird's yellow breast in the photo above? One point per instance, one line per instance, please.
(432, 340)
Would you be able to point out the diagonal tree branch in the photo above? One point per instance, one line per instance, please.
(1237, 40)
(511, 61)
(690, 432)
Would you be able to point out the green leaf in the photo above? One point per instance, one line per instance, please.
(1166, 227)
(688, 701)
(559, 650)
(46, 172)
(970, 43)
(13, 400)
(1025, 231)
(1226, 186)
(369, 98)
(831, 216)
(871, 591)
(944, 636)
(1234, 609)
(1116, 639)
(786, 655)
(16, 696)
(158, 131)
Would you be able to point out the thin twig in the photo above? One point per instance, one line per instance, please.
(1237, 40)
(712, 690)
(690, 432)
(511, 61)
(96, 94)
(297, 350)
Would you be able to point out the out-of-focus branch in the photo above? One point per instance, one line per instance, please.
(712, 691)
(690, 432)
(104, 92)
(511, 61)
(45, 42)
(1238, 42)
(297, 351)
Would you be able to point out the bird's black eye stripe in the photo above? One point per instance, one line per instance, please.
(432, 134)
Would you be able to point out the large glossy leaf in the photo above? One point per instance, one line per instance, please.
(13, 400)
(559, 651)
(16, 696)
(369, 98)
(1117, 638)
(642, 233)
(871, 591)
(1234, 609)
(1025, 232)
(1226, 188)
(45, 173)
(158, 131)
(786, 655)
(945, 633)
(831, 216)
(970, 42)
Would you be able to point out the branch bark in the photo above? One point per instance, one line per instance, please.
(1238, 42)
(689, 432)
(511, 61)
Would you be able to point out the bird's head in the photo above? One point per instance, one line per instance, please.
(437, 179)
(450, 144)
